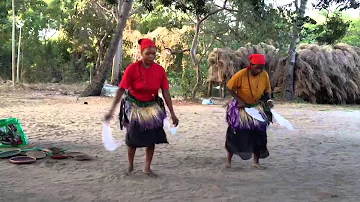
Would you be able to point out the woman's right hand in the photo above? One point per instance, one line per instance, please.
(241, 104)
(109, 115)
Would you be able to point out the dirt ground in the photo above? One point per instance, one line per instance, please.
(316, 162)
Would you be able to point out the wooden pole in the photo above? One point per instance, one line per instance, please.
(13, 68)
(18, 59)
(209, 89)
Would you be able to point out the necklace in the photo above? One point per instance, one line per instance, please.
(142, 77)
(145, 65)
(257, 86)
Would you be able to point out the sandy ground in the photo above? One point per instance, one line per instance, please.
(316, 162)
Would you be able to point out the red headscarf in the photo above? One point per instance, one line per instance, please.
(257, 59)
(146, 43)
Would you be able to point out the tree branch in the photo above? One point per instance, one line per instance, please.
(212, 13)
(207, 49)
(227, 9)
(103, 11)
(174, 52)
(103, 8)
(337, 7)
(231, 10)
(327, 13)
(223, 43)
(136, 11)
(296, 5)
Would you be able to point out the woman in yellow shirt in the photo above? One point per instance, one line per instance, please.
(250, 87)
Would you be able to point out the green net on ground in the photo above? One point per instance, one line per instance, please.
(9, 128)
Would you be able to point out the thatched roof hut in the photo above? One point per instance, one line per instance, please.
(224, 63)
(324, 74)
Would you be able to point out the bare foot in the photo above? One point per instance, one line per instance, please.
(228, 165)
(129, 170)
(258, 166)
(150, 173)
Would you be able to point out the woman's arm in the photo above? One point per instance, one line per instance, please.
(241, 102)
(168, 101)
(267, 93)
(124, 84)
(233, 84)
(268, 100)
(267, 96)
(118, 96)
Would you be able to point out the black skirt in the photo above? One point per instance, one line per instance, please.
(246, 142)
(137, 135)
(135, 138)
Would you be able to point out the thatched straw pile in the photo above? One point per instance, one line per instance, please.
(164, 39)
(323, 74)
(224, 63)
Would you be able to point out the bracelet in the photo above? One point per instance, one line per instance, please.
(270, 100)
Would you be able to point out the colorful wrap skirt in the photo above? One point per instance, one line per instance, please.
(143, 121)
(246, 135)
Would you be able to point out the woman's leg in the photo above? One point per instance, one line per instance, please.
(131, 156)
(229, 157)
(149, 156)
(256, 162)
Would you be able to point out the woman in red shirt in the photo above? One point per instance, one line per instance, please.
(142, 111)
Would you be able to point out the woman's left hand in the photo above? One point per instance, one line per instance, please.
(270, 104)
(175, 120)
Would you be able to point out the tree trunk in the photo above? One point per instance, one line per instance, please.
(97, 83)
(209, 89)
(117, 64)
(194, 59)
(288, 90)
(13, 67)
(178, 62)
(194, 49)
(100, 56)
(18, 60)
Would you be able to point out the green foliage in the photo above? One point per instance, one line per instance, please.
(330, 32)
(341, 4)
(197, 7)
(5, 43)
(160, 16)
(251, 25)
(352, 37)
(79, 24)
(62, 39)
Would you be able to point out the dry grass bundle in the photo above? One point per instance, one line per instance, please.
(164, 39)
(323, 74)
(224, 63)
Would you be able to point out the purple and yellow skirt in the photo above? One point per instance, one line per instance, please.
(246, 135)
(143, 121)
